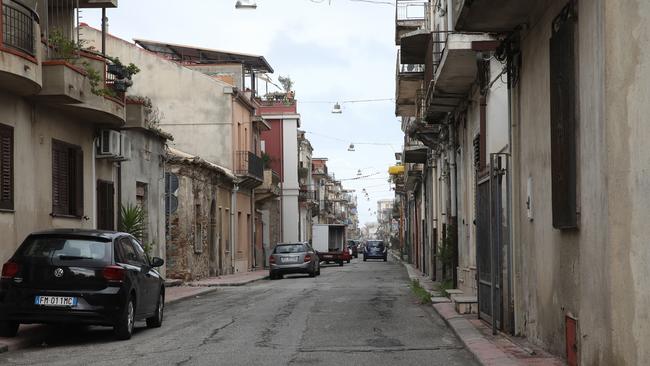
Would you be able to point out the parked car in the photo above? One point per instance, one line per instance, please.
(81, 276)
(375, 249)
(289, 258)
(353, 245)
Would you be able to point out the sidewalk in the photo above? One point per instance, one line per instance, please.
(488, 349)
(175, 291)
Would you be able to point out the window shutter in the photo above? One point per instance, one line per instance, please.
(78, 176)
(563, 120)
(60, 179)
(6, 167)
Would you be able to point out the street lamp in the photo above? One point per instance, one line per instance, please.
(337, 108)
(351, 147)
(246, 4)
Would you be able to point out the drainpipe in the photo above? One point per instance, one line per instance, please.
(454, 200)
(450, 15)
(233, 225)
(253, 229)
(94, 181)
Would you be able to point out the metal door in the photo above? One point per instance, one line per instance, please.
(492, 240)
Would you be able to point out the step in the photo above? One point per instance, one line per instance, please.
(465, 304)
(439, 299)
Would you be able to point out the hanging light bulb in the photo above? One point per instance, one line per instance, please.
(245, 4)
(337, 108)
(359, 173)
(351, 147)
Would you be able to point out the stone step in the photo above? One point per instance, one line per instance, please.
(439, 299)
(465, 304)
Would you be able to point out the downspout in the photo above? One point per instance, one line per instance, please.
(94, 181)
(454, 201)
(253, 229)
(233, 224)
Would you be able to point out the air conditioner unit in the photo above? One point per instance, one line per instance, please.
(109, 144)
(125, 148)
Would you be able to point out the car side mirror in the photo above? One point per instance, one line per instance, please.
(157, 262)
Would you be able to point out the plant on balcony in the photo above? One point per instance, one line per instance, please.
(303, 172)
(266, 160)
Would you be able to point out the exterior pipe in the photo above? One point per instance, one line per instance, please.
(233, 225)
(94, 181)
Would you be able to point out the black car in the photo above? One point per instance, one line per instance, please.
(353, 245)
(81, 276)
(375, 249)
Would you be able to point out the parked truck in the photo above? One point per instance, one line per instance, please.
(329, 242)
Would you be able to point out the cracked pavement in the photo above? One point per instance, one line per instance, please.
(361, 314)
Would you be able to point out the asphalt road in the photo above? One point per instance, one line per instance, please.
(361, 314)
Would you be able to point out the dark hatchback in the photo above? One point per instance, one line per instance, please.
(81, 276)
(375, 249)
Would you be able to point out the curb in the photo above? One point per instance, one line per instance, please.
(231, 284)
(207, 290)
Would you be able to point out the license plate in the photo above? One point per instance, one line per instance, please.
(289, 259)
(327, 256)
(55, 301)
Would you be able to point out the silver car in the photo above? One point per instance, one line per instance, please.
(289, 258)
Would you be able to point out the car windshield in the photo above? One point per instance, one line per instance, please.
(375, 244)
(66, 248)
(290, 248)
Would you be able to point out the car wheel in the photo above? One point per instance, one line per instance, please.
(385, 259)
(156, 320)
(312, 273)
(340, 263)
(318, 271)
(364, 258)
(348, 261)
(124, 326)
(8, 328)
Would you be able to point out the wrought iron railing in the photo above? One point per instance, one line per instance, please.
(307, 195)
(411, 10)
(250, 164)
(408, 68)
(18, 23)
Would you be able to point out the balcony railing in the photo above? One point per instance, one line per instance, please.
(307, 195)
(408, 68)
(249, 164)
(411, 10)
(18, 27)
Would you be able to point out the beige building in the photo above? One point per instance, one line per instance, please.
(532, 117)
(54, 111)
(202, 101)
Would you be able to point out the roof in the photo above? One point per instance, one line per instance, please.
(200, 55)
(187, 157)
(104, 234)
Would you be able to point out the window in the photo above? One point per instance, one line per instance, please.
(67, 179)
(563, 119)
(6, 167)
(140, 255)
(141, 193)
(124, 252)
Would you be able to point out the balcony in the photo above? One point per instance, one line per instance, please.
(68, 85)
(454, 73)
(415, 152)
(410, 15)
(19, 54)
(409, 82)
(270, 187)
(250, 168)
(493, 15)
(413, 176)
(307, 195)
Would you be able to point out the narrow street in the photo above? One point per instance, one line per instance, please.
(361, 314)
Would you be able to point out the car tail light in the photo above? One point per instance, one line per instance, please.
(10, 270)
(307, 257)
(272, 259)
(113, 273)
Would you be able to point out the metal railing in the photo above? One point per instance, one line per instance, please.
(18, 27)
(408, 68)
(250, 164)
(307, 195)
(411, 10)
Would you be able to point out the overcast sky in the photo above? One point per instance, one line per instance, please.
(332, 50)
